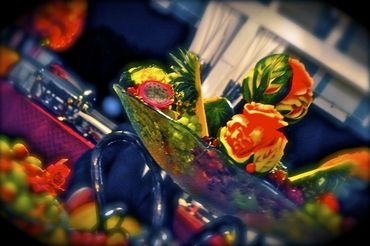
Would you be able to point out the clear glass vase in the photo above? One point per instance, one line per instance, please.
(211, 177)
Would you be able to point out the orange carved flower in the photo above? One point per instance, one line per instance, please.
(254, 137)
(295, 105)
(50, 180)
(57, 174)
(39, 184)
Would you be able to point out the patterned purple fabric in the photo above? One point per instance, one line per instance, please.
(45, 135)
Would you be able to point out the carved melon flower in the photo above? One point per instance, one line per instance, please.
(253, 137)
(282, 81)
(295, 105)
(50, 180)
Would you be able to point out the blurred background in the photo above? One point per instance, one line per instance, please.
(330, 37)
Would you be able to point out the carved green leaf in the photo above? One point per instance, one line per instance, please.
(269, 81)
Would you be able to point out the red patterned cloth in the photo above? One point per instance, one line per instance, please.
(45, 135)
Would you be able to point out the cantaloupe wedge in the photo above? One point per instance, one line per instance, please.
(357, 160)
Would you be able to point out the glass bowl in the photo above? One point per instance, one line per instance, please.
(211, 177)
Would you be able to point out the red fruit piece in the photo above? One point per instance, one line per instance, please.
(278, 176)
(100, 238)
(7, 194)
(156, 94)
(5, 165)
(250, 167)
(76, 238)
(132, 90)
(88, 238)
(35, 229)
(329, 200)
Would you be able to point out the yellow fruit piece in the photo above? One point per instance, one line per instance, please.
(4, 148)
(152, 73)
(58, 237)
(23, 203)
(116, 239)
(112, 222)
(183, 120)
(34, 161)
(229, 237)
(84, 217)
(18, 175)
(131, 225)
(128, 223)
(20, 151)
(46, 199)
(52, 213)
(8, 191)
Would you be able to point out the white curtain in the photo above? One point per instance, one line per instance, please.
(251, 44)
(217, 27)
(230, 44)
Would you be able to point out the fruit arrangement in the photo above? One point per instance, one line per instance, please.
(29, 199)
(231, 161)
(277, 92)
(29, 193)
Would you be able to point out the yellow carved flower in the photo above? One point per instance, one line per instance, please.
(254, 137)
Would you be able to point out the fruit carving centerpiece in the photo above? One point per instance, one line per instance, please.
(231, 161)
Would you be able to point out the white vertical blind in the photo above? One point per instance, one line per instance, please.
(249, 46)
(230, 44)
(340, 65)
(216, 29)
